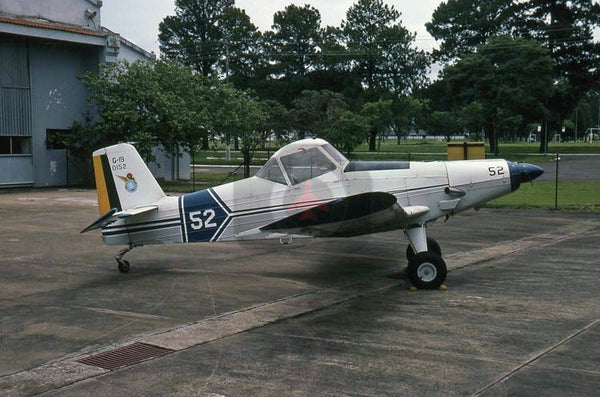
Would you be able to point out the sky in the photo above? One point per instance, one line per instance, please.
(137, 20)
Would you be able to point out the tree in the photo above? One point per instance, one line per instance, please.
(470, 118)
(241, 59)
(464, 25)
(148, 103)
(586, 114)
(382, 49)
(315, 111)
(407, 114)
(279, 121)
(293, 41)
(347, 131)
(379, 117)
(325, 114)
(292, 57)
(212, 36)
(241, 117)
(443, 123)
(565, 27)
(151, 103)
(508, 78)
(194, 35)
(333, 56)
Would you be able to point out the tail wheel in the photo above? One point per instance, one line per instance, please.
(123, 266)
(427, 270)
(432, 246)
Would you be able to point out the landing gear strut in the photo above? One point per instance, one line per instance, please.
(432, 245)
(123, 264)
(426, 268)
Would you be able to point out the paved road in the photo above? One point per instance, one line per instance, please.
(572, 168)
(318, 317)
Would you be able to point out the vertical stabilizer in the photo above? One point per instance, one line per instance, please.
(123, 180)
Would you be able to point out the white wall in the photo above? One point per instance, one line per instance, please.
(72, 12)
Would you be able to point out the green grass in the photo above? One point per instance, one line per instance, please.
(572, 196)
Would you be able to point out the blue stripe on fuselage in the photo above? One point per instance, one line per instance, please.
(202, 216)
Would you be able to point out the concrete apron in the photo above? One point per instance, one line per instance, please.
(68, 370)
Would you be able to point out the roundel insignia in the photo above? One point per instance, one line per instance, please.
(130, 182)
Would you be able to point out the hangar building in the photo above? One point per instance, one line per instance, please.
(44, 47)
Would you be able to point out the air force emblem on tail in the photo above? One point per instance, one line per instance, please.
(130, 182)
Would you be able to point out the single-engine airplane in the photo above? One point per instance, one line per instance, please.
(306, 189)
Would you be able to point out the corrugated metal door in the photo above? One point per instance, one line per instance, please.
(16, 161)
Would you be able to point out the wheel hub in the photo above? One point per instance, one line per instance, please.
(427, 272)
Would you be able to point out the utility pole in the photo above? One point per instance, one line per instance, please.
(576, 114)
(227, 144)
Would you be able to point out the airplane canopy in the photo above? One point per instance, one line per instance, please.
(302, 160)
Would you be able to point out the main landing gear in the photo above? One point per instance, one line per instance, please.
(123, 264)
(426, 268)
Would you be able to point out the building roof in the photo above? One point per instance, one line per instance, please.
(42, 24)
(51, 30)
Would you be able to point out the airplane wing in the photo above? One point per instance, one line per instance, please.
(112, 215)
(349, 216)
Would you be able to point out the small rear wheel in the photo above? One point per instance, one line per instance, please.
(427, 270)
(123, 266)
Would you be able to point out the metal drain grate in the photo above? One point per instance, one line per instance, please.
(125, 356)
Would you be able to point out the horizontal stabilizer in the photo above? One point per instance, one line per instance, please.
(102, 221)
(136, 211)
(113, 215)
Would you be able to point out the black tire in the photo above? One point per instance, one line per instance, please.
(123, 266)
(427, 270)
(432, 246)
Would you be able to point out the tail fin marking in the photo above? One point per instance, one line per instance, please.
(123, 180)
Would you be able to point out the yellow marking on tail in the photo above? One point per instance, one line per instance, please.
(103, 201)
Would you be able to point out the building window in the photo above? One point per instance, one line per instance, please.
(4, 145)
(21, 145)
(15, 145)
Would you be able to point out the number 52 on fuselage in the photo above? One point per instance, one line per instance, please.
(306, 189)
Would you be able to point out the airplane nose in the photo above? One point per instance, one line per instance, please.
(522, 172)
